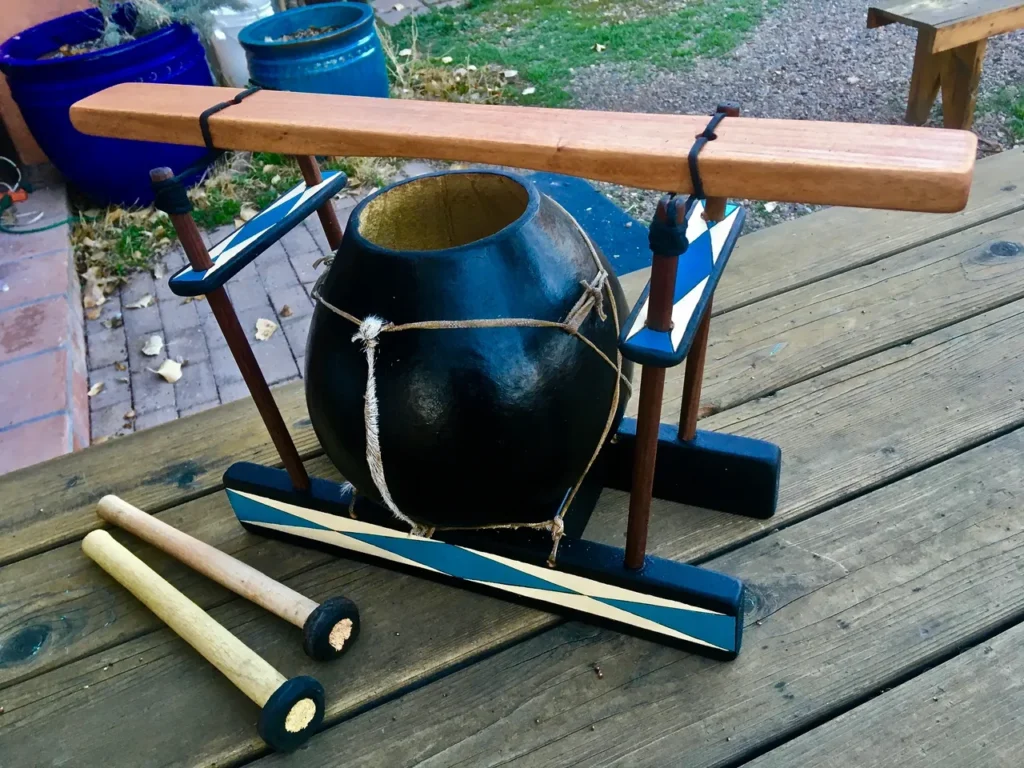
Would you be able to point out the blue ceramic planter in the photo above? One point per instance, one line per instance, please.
(107, 170)
(347, 61)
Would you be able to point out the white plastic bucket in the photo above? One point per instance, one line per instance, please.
(230, 55)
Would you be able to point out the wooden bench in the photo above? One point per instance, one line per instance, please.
(951, 40)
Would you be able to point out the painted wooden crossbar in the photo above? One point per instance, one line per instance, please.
(247, 242)
(697, 274)
(869, 166)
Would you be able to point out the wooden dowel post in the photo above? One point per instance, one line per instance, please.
(652, 387)
(291, 708)
(714, 210)
(220, 304)
(329, 628)
(328, 217)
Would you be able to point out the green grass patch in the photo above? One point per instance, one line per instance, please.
(545, 40)
(1009, 102)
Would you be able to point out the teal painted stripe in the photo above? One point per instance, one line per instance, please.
(456, 561)
(251, 511)
(712, 628)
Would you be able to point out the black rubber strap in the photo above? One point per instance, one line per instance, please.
(708, 134)
(170, 195)
(668, 238)
(204, 118)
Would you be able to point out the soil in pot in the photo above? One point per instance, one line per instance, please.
(302, 34)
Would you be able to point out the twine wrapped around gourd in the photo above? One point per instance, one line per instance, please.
(477, 231)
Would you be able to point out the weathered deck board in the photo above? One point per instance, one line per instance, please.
(966, 713)
(54, 598)
(845, 603)
(440, 627)
(51, 504)
(772, 343)
(878, 432)
(799, 252)
(871, 166)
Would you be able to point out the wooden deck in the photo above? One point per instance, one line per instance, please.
(884, 352)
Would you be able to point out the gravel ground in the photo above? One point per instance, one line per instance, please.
(809, 59)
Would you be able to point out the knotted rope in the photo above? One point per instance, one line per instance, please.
(370, 329)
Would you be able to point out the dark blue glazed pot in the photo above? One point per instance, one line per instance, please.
(477, 426)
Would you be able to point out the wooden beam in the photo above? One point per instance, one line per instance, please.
(868, 166)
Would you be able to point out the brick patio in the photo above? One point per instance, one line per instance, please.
(135, 398)
(43, 402)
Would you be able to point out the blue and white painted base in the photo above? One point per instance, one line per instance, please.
(673, 603)
(254, 237)
(697, 275)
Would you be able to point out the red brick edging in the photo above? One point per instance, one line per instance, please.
(44, 404)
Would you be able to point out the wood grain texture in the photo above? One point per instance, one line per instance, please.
(924, 79)
(246, 670)
(843, 604)
(842, 433)
(955, 22)
(810, 248)
(961, 74)
(759, 348)
(870, 166)
(228, 571)
(52, 503)
(966, 713)
(55, 610)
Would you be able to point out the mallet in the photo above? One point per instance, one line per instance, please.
(291, 709)
(328, 629)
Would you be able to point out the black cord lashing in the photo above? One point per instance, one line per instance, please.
(668, 237)
(170, 195)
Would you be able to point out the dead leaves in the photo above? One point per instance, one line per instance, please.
(170, 370)
(286, 311)
(153, 346)
(145, 301)
(265, 329)
(92, 292)
(96, 388)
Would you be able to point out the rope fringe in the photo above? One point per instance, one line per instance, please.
(368, 333)
(371, 327)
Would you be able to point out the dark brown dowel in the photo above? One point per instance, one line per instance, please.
(694, 377)
(328, 218)
(714, 210)
(220, 303)
(652, 388)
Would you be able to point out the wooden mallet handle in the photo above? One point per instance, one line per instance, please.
(329, 629)
(291, 709)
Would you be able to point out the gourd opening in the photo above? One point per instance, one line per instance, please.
(433, 213)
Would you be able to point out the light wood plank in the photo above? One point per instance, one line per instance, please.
(966, 713)
(51, 504)
(764, 346)
(849, 432)
(936, 288)
(870, 166)
(843, 604)
(798, 252)
(55, 611)
(956, 22)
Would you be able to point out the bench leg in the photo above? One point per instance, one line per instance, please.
(924, 82)
(960, 76)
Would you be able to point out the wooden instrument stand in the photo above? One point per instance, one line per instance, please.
(836, 164)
